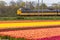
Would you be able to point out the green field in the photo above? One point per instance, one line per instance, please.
(10, 38)
(31, 18)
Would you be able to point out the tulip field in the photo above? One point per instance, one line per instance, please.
(32, 30)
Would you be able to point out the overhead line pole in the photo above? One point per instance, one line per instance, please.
(42, 7)
(38, 6)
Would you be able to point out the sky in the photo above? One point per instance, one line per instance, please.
(45, 1)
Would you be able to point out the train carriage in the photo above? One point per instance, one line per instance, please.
(44, 12)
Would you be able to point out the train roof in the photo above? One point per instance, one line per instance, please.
(27, 9)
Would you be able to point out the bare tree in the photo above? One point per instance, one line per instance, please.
(12, 3)
(2, 3)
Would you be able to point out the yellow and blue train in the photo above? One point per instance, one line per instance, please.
(44, 12)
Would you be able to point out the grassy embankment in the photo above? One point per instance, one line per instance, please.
(31, 18)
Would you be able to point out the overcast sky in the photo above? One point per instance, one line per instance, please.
(45, 1)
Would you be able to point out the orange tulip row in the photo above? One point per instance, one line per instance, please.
(32, 33)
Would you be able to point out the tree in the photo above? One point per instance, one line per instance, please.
(19, 2)
(12, 3)
(31, 5)
(44, 6)
(2, 7)
(22, 4)
(3, 3)
(56, 5)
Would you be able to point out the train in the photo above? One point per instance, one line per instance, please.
(41, 12)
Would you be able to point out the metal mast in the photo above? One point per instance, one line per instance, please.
(38, 6)
(42, 7)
